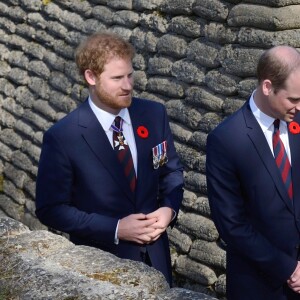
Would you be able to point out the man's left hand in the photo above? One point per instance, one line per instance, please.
(164, 217)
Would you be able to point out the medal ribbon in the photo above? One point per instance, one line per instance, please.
(116, 129)
(164, 144)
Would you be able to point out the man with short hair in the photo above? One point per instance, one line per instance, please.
(108, 173)
(253, 176)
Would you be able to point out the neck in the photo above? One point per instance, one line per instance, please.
(260, 101)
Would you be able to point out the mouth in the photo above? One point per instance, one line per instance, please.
(290, 118)
(125, 95)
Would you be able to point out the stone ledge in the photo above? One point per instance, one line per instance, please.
(42, 265)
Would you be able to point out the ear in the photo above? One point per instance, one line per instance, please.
(90, 77)
(267, 88)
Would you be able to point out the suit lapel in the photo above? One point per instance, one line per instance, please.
(294, 140)
(143, 146)
(259, 141)
(96, 138)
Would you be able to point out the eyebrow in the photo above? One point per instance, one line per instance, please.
(119, 76)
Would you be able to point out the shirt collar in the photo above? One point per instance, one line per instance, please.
(105, 118)
(264, 120)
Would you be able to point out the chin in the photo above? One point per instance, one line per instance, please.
(290, 119)
(126, 103)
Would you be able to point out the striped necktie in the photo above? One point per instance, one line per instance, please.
(282, 160)
(123, 152)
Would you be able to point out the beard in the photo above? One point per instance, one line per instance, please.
(116, 102)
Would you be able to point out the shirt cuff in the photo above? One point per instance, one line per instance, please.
(116, 241)
(174, 215)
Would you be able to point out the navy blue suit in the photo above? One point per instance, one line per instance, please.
(252, 210)
(82, 189)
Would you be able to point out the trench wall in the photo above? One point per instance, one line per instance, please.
(198, 57)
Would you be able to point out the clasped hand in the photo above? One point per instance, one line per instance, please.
(144, 229)
(294, 280)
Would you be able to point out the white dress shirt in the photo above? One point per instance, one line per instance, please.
(267, 126)
(106, 119)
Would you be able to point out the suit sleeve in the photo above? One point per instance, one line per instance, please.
(54, 188)
(171, 176)
(230, 216)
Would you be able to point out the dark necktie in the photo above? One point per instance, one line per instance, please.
(282, 160)
(123, 152)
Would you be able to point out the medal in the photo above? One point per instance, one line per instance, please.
(121, 140)
(160, 155)
(164, 155)
(155, 158)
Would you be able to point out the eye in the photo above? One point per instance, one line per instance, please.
(294, 100)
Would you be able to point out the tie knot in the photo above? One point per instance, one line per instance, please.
(117, 121)
(276, 124)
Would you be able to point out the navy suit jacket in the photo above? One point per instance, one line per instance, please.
(251, 208)
(82, 189)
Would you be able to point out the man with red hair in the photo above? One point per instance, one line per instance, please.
(108, 173)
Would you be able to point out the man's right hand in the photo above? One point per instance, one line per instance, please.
(136, 228)
(294, 280)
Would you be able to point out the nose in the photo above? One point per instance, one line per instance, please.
(298, 106)
(127, 83)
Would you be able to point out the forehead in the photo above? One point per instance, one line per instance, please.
(293, 80)
(117, 63)
(291, 89)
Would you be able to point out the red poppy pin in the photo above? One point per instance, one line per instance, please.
(142, 132)
(294, 127)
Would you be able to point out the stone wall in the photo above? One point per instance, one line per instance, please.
(42, 265)
(198, 57)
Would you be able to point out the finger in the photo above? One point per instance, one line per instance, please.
(133, 223)
(147, 223)
(138, 241)
(139, 216)
(144, 239)
(162, 223)
(156, 238)
(151, 215)
(295, 277)
(153, 218)
(294, 286)
(155, 235)
(158, 226)
(146, 231)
